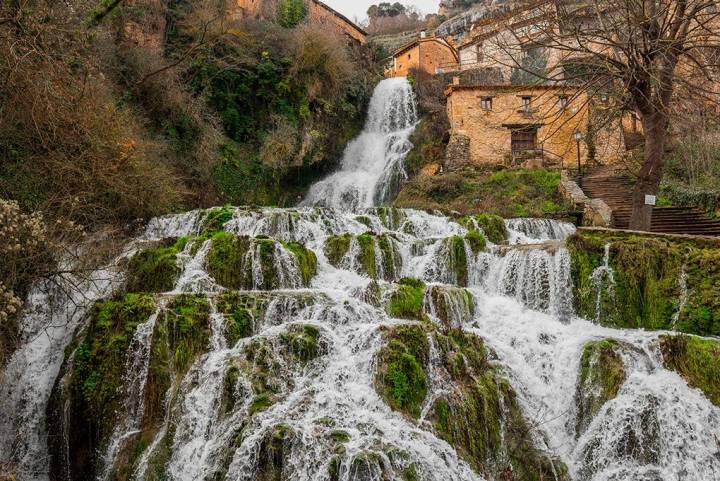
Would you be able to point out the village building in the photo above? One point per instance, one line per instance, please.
(426, 54)
(317, 12)
(531, 125)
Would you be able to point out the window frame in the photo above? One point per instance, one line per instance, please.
(486, 103)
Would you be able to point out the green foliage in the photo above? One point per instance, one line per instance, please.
(291, 12)
(697, 360)
(648, 271)
(602, 373)
(476, 240)
(406, 301)
(401, 378)
(506, 193)
(100, 358)
(155, 270)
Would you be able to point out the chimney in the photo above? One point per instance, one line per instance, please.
(423, 34)
(456, 80)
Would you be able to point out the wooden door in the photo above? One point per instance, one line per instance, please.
(522, 140)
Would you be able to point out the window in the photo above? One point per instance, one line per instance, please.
(526, 104)
(486, 103)
(562, 101)
(409, 56)
(479, 53)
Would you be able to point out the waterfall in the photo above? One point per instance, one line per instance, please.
(603, 281)
(372, 165)
(281, 366)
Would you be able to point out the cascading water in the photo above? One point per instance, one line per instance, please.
(372, 165)
(296, 390)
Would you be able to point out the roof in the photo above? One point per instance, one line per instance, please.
(340, 16)
(419, 40)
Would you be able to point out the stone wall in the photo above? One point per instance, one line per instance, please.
(490, 130)
(457, 154)
(425, 54)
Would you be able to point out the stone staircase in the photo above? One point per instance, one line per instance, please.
(614, 187)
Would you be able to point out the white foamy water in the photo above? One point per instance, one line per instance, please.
(657, 428)
(372, 166)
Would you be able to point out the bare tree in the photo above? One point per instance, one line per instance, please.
(653, 57)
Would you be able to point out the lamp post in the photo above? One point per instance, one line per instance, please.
(578, 138)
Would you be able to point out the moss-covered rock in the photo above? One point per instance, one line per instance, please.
(274, 450)
(697, 360)
(457, 261)
(476, 240)
(482, 418)
(374, 255)
(401, 378)
(649, 272)
(602, 373)
(90, 391)
(250, 263)
(406, 301)
(493, 226)
(451, 306)
(215, 219)
(156, 269)
(187, 321)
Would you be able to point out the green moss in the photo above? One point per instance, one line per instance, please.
(457, 257)
(401, 378)
(215, 219)
(101, 357)
(476, 240)
(697, 360)
(647, 291)
(602, 373)
(336, 247)
(187, 319)
(450, 303)
(230, 388)
(492, 225)
(230, 261)
(340, 436)
(302, 341)
(155, 270)
(406, 301)
(482, 418)
(274, 450)
(260, 403)
(306, 260)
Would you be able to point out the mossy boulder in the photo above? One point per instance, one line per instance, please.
(187, 327)
(406, 300)
(602, 373)
(215, 220)
(375, 255)
(155, 269)
(493, 226)
(482, 418)
(450, 306)
(401, 378)
(696, 359)
(274, 451)
(650, 274)
(249, 263)
(457, 261)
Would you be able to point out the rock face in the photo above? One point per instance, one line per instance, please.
(457, 155)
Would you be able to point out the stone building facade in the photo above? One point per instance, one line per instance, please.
(428, 54)
(516, 125)
(318, 12)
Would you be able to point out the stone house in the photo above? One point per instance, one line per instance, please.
(506, 124)
(317, 12)
(428, 54)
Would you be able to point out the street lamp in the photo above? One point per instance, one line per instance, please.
(578, 138)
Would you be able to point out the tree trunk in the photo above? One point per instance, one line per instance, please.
(648, 181)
